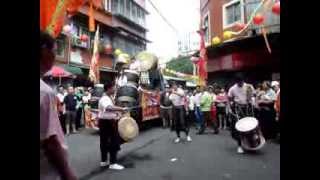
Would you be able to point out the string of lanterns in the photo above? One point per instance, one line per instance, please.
(180, 75)
(256, 18)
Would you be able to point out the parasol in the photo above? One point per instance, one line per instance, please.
(59, 72)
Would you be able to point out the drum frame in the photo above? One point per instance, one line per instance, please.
(249, 113)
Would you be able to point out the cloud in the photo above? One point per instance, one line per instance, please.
(182, 14)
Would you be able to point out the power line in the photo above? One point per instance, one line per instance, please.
(158, 11)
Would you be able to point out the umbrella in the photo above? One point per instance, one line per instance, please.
(59, 72)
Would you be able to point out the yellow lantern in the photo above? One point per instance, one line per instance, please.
(227, 35)
(216, 40)
(117, 52)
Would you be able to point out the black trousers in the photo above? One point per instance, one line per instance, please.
(78, 118)
(62, 119)
(191, 116)
(221, 117)
(207, 120)
(267, 120)
(180, 122)
(109, 140)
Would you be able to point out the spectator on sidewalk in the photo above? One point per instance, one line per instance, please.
(61, 108)
(79, 108)
(198, 113)
(166, 108)
(267, 112)
(70, 102)
(53, 149)
(179, 119)
(205, 107)
(221, 104)
(191, 106)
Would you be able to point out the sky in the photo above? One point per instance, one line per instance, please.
(184, 15)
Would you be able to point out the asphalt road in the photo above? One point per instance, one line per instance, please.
(154, 156)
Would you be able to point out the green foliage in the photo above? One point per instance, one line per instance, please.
(181, 64)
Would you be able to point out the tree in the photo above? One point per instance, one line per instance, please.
(181, 64)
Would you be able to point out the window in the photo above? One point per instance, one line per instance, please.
(115, 6)
(121, 6)
(232, 13)
(128, 8)
(107, 5)
(61, 45)
(206, 29)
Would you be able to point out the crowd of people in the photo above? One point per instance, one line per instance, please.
(212, 106)
(209, 106)
(73, 107)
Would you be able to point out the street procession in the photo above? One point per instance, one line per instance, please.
(133, 89)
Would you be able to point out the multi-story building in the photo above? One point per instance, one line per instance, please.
(122, 26)
(188, 43)
(246, 53)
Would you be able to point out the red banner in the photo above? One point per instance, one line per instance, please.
(150, 105)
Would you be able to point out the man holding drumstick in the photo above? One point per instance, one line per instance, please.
(110, 140)
(240, 95)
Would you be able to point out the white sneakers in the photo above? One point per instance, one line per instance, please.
(240, 150)
(189, 139)
(112, 166)
(177, 140)
(116, 167)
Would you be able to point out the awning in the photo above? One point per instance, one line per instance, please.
(73, 69)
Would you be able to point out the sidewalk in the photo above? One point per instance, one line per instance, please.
(84, 152)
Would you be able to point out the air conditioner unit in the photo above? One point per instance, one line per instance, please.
(76, 41)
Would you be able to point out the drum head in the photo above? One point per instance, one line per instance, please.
(128, 128)
(246, 124)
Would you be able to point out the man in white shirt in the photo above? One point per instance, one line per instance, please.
(61, 108)
(179, 120)
(198, 113)
(240, 95)
(110, 140)
(53, 149)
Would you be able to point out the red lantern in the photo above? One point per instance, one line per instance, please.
(239, 26)
(258, 19)
(108, 49)
(84, 38)
(276, 8)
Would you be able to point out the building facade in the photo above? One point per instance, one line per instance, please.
(246, 53)
(122, 26)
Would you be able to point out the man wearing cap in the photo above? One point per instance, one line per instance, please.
(240, 95)
(166, 107)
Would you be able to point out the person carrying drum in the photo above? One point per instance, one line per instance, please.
(108, 116)
(240, 96)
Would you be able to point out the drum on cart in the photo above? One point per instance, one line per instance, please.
(127, 95)
(132, 77)
(250, 133)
